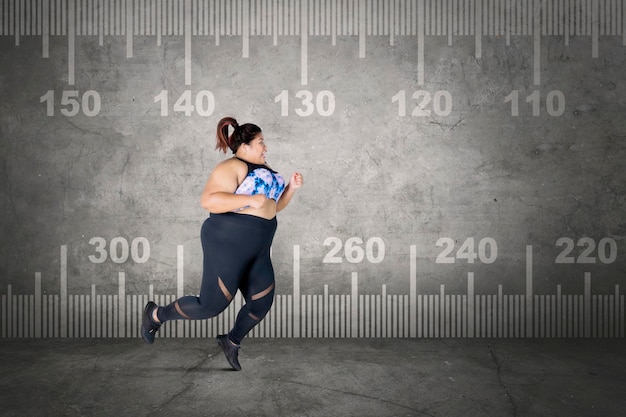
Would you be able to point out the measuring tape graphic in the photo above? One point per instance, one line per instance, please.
(304, 18)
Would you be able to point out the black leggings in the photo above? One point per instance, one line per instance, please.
(236, 256)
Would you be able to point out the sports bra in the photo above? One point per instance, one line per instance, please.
(261, 180)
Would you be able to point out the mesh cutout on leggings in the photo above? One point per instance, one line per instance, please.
(180, 311)
(263, 293)
(259, 295)
(227, 293)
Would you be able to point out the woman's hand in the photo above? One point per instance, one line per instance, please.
(296, 180)
(257, 201)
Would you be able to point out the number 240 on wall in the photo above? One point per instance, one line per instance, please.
(487, 250)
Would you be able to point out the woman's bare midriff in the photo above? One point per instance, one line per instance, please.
(268, 211)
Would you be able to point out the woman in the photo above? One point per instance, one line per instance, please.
(243, 196)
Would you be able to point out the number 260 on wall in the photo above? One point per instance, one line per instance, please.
(354, 253)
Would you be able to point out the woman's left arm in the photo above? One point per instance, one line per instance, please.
(295, 182)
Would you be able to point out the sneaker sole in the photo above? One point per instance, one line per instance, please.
(222, 344)
(145, 338)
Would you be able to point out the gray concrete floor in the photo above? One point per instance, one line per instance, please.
(314, 377)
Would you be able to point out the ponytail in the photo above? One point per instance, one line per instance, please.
(241, 134)
(225, 141)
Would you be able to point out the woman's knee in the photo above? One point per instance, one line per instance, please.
(261, 303)
(201, 309)
(212, 300)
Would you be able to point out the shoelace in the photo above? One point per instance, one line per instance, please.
(154, 327)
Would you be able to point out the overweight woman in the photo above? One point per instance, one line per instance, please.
(243, 195)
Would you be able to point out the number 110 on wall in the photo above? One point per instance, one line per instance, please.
(554, 102)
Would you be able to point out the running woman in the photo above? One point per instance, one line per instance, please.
(242, 195)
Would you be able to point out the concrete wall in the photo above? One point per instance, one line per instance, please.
(464, 164)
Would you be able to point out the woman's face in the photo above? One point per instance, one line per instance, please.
(255, 150)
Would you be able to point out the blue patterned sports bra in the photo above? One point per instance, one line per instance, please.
(261, 180)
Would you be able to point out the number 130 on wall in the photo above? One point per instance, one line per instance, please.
(309, 103)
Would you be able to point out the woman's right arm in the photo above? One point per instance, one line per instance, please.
(218, 194)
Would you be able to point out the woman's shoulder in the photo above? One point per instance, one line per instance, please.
(231, 166)
(231, 163)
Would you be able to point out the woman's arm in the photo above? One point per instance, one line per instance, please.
(295, 182)
(218, 194)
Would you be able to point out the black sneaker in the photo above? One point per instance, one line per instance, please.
(231, 351)
(149, 327)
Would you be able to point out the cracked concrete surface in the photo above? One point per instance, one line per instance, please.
(314, 377)
(504, 387)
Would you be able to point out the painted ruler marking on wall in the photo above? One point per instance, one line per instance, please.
(304, 18)
(383, 315)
